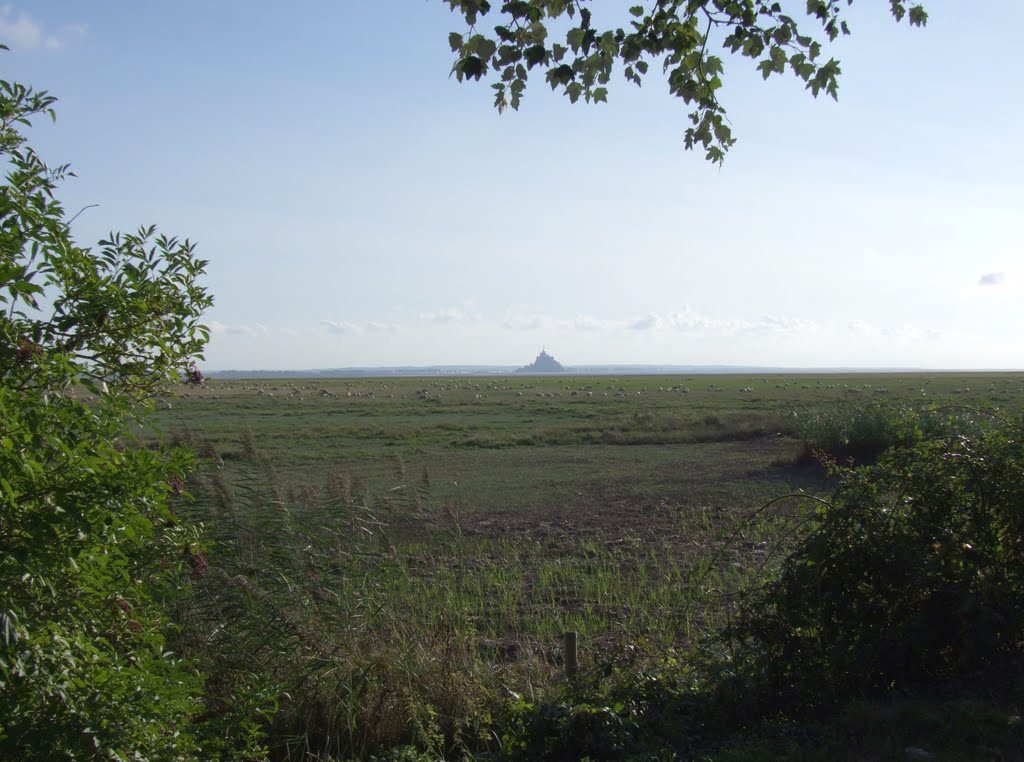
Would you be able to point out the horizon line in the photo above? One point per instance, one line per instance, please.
(598, 368)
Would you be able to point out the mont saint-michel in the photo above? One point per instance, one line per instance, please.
(544, 363)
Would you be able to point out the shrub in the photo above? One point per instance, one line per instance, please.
(854, 432)
(92, 555)
(858, 433)
(914, 571)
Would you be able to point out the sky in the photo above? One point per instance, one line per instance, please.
(359, 207)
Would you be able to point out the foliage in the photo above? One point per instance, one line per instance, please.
(633, 711)
(388, 619)
(91, 553)
(679, 33)
(856, 432)
(914, 572)
(406, 594)
(298, 602)
(850, 432)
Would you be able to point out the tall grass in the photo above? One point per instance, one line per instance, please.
(376, 620)
(855, 432)
(373, 617)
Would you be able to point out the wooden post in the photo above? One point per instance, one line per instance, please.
(572, 664)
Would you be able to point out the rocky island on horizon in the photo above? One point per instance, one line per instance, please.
(544, 363)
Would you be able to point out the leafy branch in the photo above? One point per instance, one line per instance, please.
(667, 30)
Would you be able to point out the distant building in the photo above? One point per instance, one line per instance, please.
(544, 363)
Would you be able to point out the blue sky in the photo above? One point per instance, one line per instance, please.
(359, 207)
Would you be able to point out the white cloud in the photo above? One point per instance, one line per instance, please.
(587, 323)
(991, 279)
(904, 333)
(374, 327)
(346, 327)
(253, 330)
(339, 326)
(688, 320)
(782, 324)
(524, 321)
(448, 316)
(692, 322)
(22, 33)
(910, 333)
(649, 322)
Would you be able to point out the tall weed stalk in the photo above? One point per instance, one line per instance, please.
(296, 607)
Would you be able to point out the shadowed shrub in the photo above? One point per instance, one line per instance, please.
(858, 433)
(914, 572)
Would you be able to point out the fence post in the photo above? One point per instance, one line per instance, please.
(572, 664)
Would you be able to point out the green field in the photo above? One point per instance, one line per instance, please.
(512, 444)
(414, 547)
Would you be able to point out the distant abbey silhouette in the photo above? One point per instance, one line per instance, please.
(544, 363)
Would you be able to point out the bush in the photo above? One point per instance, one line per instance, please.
(854, 432)
(914, 571)
(92, 556)
(858, 433)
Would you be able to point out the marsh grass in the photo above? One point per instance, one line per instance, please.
(378, 620)
(858, 432)
(388, 582)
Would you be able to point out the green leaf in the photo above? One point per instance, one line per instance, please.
(471, 67)
(574, 37)
(535, 55)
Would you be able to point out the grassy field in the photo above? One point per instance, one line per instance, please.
(512, 444)
(414, 547)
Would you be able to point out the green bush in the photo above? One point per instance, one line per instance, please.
(92, 556)
(858, 433)
(855, 432)
(914, 571)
